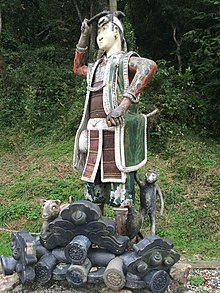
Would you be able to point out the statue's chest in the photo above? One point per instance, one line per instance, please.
(99, 72)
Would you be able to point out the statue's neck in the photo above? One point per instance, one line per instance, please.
(116, 48)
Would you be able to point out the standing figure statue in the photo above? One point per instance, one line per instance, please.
(110, 144)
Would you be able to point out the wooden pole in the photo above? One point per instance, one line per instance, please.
(113, 5)
(93, 29)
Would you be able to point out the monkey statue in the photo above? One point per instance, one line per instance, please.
(149, 190)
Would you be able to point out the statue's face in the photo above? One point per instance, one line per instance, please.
(106, 36)
(151, 176)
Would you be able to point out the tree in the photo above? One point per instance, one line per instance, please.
(104, 4)
(0, 19)
(2, 61)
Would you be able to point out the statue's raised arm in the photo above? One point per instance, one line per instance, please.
(80, 60)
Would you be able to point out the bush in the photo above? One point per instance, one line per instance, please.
(7, 41)
(177, 99)
(40, 92)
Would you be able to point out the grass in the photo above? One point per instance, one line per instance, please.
(189, 179)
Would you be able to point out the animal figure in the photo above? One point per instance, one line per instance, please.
(50, 210)
(149, 190)
(134, 220)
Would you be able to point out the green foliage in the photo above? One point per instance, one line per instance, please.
(8, 42)
(41, 22)
(173, 93)
(173, 195)
(195, 26)
(196, 280)
(129, 34)
(13, 210)
(5, 244)
(206, 63)
(38, 91)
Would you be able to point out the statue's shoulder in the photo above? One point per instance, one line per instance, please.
(125, 57)
(132, 53)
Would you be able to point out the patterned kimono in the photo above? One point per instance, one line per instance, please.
(111, 153)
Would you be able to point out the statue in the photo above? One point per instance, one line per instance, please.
(110, 143)
(149, 190)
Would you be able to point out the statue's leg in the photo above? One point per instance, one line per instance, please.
(152, 216)
(119, 192)
(122, 191)
(130, 187)
(97, 192)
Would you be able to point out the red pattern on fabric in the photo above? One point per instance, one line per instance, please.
(110, 169)
(92, 155)
(78, 67)
(146, 79)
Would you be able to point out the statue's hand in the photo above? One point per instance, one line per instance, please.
(115, 117)
(84, 37)
(85, 29)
